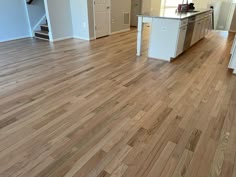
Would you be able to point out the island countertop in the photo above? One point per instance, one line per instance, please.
(173, 33)
(172, 14)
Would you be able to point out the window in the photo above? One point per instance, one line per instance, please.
(173, 3)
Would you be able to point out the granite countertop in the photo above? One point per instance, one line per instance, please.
(172, 14)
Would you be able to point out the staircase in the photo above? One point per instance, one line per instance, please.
(43, 33)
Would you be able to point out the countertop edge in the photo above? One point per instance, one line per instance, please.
(176, 18)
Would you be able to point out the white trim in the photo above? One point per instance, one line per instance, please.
(61, 39)
(121, 31)
(39, 22)
(83, 38)
(48, 19)
(16, 38)
(28, 20)
(140, 35)
(94, 20)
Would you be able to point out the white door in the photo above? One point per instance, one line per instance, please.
(102, 17)
(135, 10)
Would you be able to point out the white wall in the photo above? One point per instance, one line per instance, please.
(223, 16)
(230, 18)
(82, 19)
(217, 11)
(59, 19)
(79, 13)
(223, 13)
(201, 4)
(60, 14)
(118, 8)
(13, 20)
(146, 6)
(156, 6)
(36, 11)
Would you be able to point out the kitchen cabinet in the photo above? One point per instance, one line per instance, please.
(172, 34)
(202, 34)
(196, 32)
(207, 27)
(201, 27)
(164, 39)
(181, 40)
(233, 46)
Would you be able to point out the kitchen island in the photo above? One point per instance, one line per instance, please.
(173, 33)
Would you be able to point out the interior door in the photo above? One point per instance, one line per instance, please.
(135, 10)
(102, 17)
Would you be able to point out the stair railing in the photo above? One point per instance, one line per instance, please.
(29, 1)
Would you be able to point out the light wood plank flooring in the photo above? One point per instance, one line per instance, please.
(94, 109)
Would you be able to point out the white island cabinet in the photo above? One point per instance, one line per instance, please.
(173, 33)
(167, 41)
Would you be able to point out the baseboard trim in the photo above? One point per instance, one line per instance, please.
(61, 39)
(233, 31)
(16, 38)
(121, 31)
(84, 38)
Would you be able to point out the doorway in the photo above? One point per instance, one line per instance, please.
(136, 8)
(222, 15)
(102, 16)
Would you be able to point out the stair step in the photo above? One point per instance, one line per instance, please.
(42, 34)
(44, 27)
(41, 38)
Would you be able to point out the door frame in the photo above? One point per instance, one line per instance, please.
(230, 16)
(94, 19)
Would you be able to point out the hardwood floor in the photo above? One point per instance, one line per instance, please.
(94, 109)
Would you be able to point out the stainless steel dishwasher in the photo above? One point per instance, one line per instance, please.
(189, 33)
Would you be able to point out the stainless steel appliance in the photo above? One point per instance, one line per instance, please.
(189, 33)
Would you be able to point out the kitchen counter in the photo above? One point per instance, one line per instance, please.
(172, 14)
(173, 33)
